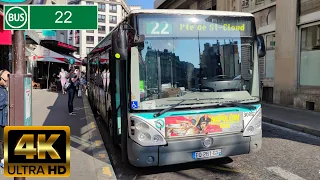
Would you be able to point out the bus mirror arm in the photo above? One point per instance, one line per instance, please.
(139, 40)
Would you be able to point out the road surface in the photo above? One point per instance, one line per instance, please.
(286, 154)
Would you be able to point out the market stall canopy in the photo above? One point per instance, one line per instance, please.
(49, 59)
(58, 46)
(46, 55)
(104, 61)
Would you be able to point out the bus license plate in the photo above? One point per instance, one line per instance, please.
(206, 154)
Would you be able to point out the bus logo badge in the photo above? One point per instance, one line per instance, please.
(207, 142)
(159, 124)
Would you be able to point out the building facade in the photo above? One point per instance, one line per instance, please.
(110, 13)
(186, 4)
(291, 29)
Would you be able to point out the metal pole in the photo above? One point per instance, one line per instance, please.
(159, 75)
(171, 73)
(200, 59)
(19, 53)
(19, 69)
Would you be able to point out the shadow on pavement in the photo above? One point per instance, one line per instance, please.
(274, 131)
(59, 116)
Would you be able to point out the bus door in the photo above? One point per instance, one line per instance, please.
(115, 127)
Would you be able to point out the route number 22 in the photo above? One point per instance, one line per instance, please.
(163, 28)
(61, 14)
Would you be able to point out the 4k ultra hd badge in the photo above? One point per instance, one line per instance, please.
(37, 151)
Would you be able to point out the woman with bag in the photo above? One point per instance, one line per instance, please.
(71, 87)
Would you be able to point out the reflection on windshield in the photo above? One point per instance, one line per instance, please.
(171, 67)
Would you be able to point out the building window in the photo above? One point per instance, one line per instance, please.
(268, 62)
(101, 18)
(100, 39)
(89, 3)
(90, 39)
(270, 42)
(101, 7)
(113, 19)
(112, 8)
(89, 49)
(101, 29)
(259, 1)
(245, 3)
(110, 28)
(309, 58)
(90, 31)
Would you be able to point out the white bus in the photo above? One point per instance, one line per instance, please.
(184, 85)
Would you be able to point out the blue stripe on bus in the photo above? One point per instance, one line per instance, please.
(196, 112)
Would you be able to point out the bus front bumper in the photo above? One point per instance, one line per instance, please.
(180, 151)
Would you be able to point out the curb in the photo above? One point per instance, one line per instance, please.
(299, 128)
(103, 166)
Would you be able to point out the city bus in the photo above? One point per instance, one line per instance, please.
(177, 86)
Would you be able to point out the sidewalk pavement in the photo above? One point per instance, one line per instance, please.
(297, 119)
(89, 158)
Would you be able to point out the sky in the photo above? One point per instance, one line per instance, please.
(146, 4)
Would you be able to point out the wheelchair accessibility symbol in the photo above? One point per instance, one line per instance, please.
(134, 105)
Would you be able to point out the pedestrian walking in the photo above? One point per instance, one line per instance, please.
(4, 82)
(82, 88)
(104, 78)
(72, 88)
(62, 75)
(78, 89)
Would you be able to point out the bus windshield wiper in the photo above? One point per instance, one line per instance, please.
(237, 104)
(197, 99)
(168, 108)
(175, 105)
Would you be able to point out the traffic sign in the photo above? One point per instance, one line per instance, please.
(48, 17)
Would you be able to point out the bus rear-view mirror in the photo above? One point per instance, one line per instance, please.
(261, 46)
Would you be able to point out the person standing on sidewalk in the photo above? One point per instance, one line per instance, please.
(73, 79)
(4, 78)
(62, 75)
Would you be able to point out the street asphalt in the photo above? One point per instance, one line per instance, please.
(285, 154)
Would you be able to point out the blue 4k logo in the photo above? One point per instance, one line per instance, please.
(134, 105)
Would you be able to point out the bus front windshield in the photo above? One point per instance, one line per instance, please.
(174, 68)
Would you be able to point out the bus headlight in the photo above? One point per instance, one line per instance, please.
(254, 126)
(144, 134)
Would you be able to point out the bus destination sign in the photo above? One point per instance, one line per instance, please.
(182, 27)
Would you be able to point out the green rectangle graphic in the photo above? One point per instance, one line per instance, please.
(64, 17)
(15, 17)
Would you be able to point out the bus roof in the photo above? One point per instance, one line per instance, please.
(190, 12)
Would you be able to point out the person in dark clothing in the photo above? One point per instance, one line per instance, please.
(4, 78)
(73, 79)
